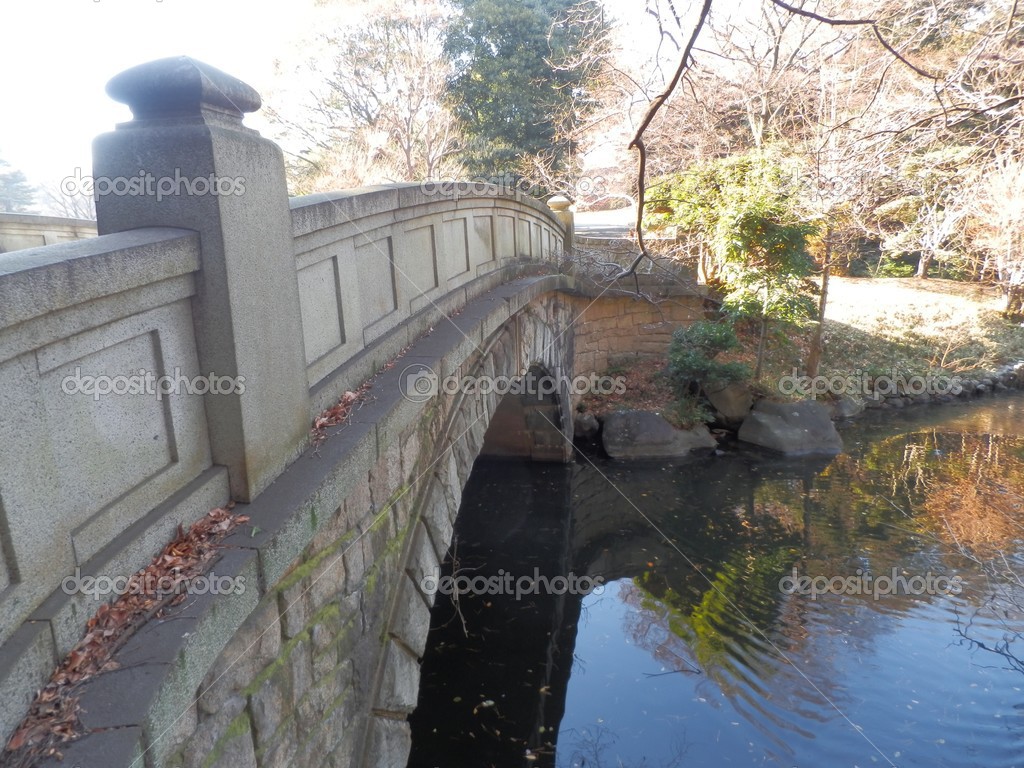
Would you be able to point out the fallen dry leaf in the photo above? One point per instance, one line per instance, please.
(53, 715)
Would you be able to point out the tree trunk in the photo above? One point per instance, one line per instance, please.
(1014, 307)
(1015, 303)
(814, 356)
(760, 348)
(923, 264)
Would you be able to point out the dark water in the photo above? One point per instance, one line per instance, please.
(697, 652)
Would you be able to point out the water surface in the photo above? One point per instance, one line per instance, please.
(697, 652)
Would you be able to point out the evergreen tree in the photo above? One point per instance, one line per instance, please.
(515, 61)
(16, 194)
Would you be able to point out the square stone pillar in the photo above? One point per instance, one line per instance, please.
(561, 207)
(186, 160)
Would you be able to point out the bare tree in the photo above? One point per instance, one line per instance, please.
(380, 114)
(923, 85)
(56, 202)
(996, 206)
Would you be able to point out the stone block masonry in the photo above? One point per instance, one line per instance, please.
(615, 329)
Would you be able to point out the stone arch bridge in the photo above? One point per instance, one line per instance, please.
(177, 361)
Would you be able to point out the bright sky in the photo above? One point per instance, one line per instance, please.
(57, 56)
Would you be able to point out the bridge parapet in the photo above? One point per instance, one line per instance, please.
(204, 270)
(22, 230)
(369, 260)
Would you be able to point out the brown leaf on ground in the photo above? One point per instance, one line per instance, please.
(339, 412)
(53, 716)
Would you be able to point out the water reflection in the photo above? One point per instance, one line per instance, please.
(693, 655)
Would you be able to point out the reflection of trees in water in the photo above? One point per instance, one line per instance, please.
(736, 637)
(965, 493)
(978, 494)
(967, 489)
(591, 748)
(651, 626)
(978, 504)
(908, 502)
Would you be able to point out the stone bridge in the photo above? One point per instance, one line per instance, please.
(22, 230)
(177, 361)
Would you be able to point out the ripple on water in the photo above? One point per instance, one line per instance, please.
(703, 660)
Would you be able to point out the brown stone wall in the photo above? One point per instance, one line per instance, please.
(616, 328)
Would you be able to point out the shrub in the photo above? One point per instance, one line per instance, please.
(692, 354)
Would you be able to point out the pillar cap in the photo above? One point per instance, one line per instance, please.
(180, 86)
(559, 203)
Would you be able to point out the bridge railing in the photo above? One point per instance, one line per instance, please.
(370, 259)
(175, 361)
(21, 230)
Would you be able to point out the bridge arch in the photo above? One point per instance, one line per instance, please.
(353, 612)
(527, 422)
(306, 299)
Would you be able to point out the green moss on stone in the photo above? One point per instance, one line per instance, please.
(239, 727)
(306, 568)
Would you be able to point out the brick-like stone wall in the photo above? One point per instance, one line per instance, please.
(616, 328)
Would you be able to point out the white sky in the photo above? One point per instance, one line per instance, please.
(56, 57)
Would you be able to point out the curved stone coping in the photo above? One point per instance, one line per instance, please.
(327, 209)
(37, 281)
(138, 712)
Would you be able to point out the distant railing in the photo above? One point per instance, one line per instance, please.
(22, 230)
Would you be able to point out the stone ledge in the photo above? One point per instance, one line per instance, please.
(328, 209)
(36, 281)
(27, 660)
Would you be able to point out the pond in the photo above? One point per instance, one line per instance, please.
(740, 610)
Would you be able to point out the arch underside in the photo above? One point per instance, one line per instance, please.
(527, 423)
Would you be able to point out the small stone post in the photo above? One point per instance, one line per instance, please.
(560, 205)
(192, 164)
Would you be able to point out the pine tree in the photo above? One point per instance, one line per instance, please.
(508, 78)
(16, 194)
